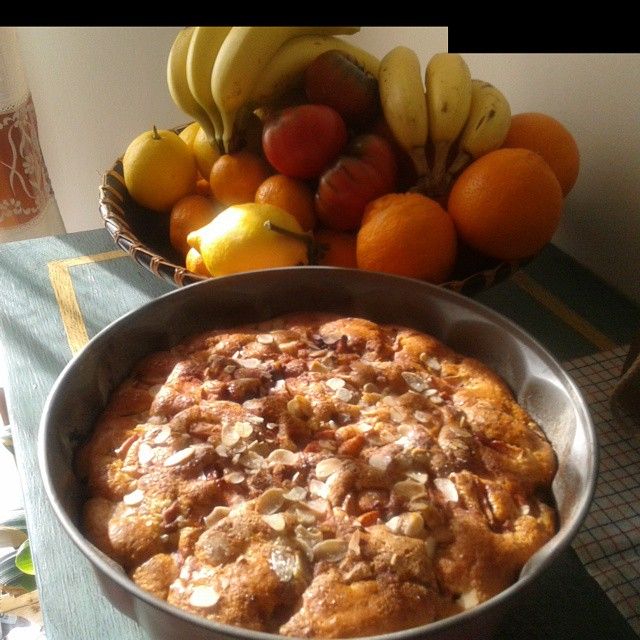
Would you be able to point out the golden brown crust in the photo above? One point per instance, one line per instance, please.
(318, 476)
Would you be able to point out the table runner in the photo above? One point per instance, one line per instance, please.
(608, 543)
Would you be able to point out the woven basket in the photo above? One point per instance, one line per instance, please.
(144, 235)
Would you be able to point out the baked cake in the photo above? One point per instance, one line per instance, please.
(318, 476)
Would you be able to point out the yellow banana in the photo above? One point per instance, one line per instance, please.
(448, 92)
(487, 126)
(178, 84)
(403, 103)
(290, 61)
(242, 58)
(203, 50)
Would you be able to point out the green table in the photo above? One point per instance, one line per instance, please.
(58, 292)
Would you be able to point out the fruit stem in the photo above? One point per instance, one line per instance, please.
(156, 135)
(301, 237)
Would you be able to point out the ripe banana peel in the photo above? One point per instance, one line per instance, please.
(179, 85)
(242, 59)
(487, 126)
(201, 56)
(403, 103)
(448, 93)
(290, 61)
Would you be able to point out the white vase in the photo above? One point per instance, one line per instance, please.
(28, 207)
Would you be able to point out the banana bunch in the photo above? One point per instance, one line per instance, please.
(218, 74)
(444, 121)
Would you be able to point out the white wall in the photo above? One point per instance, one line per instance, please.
(96, 88)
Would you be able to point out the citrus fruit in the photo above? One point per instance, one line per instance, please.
(187, 215)
(205, 153)
(237, 239)
(290, 194)
(194, 263)
(158, 169)
(188, 134)
(507, 204)
(235, 177)
(407, 234)
(338, 248)
(551, 139)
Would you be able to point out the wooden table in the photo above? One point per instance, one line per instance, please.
(58, 292)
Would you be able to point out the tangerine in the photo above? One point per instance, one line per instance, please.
(235, 177)
(407, 234)
(290, 194)
(338, 248)
(187, 215)
(506, 204)
(551, 139)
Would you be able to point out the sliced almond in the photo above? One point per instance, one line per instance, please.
(289, 347)
(414, 381)
(326, 467)
(380, 460)
(407, 524)
(179, 456)
(251, 460)
(447, 488)
(409, 489)
(234, 477)
(133, 498)
(276, 521)
(335, 383)
(248, 363)
(332, 550)
(264, 338)
(295, 494)
(203, 597)
(216, 515)
(318, 488)
(418, 476)
(270, 501)
(163, 435)
(282, 456)
(422, 416)
(243, 428)
(229, 436)
(146, 453)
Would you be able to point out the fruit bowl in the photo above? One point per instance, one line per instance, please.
(144, 235)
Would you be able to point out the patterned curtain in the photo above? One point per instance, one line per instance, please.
(28, 208)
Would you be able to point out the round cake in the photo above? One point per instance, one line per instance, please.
(318, 476)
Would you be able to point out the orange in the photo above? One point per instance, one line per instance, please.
(187, 215)
(235, 177)
(507, 204)
(194, 263)
(339, 249)
(407, 234)
(290, 194)
(551, 139)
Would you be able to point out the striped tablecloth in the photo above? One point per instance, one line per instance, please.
(609, 541)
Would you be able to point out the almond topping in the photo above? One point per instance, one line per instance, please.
(234, 477)
(179, 456)
(264, 338)
(133, 498)
(414, 381)
(248, 363)
(331, 550)
(276, 521)
(407, 524)
(380, 460)
(163, 435)
(216, 515)
(317, 488)
(146, 453)
(282, 456)
(409, 489)
(447, 488)
(270, 501)
(203, 597)
(326, 467)
(229, 435)
(289, 347)
(335, 383)
(295, 494)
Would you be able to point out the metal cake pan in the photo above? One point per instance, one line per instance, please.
(536, 378)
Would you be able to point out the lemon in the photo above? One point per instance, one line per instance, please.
(159, 169)
(237, 239)
(205, 153)
(188, 134)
